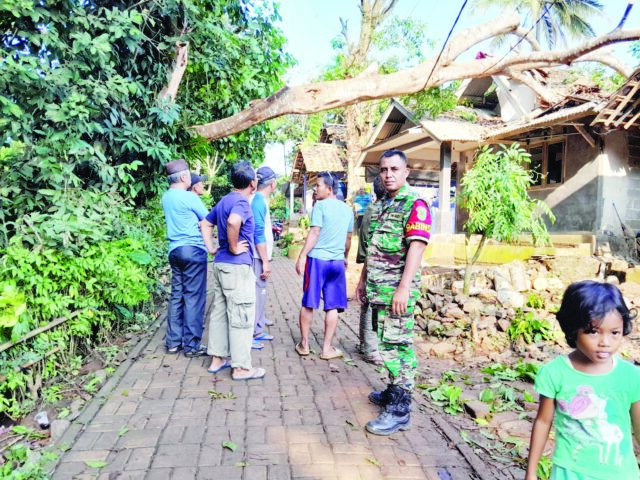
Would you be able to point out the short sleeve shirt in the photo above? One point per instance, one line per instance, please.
(233, 202)
(592, 419)
(335, 220)
(183, 211)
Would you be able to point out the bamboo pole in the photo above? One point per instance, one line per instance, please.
(32, 362)
(38, 331)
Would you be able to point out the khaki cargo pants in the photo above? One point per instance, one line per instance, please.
(233, 313)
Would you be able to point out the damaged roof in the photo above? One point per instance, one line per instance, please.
(317, 157)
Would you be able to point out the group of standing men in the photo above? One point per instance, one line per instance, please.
(245, 243)
(394, 233)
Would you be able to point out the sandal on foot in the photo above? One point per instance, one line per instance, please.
(263, 336)
(256, 345)
(373, 358)
(301, 351)
(224, 365)
(254, 374)
(337, 354)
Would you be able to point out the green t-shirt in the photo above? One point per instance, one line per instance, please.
(592, 420)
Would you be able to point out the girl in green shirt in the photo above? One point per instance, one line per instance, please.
(591, 396)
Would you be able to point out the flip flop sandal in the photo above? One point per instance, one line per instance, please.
(256, 373)
(301, 351)
(263, 336)
(221, 367)
(256, 345)
(338, 354)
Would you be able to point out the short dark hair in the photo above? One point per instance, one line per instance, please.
(378, 187)
(586, 303)
(242, 174)
(394, 152)
(329, 179)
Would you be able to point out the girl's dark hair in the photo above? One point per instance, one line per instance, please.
(585, 304)
(242, 174)
(330, 180)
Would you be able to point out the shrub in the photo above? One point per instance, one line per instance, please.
(529, 328)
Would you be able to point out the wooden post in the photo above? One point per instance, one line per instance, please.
(291, 202)
(444, 219)
(304, 193)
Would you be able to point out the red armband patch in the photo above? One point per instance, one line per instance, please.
(419, 224)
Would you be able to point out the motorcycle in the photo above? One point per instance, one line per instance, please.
(277, 228)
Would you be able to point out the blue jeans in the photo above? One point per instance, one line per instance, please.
(188, 297)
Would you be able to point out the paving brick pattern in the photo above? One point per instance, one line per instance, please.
(155, 418)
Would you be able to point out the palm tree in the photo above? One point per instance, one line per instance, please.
(553, 19)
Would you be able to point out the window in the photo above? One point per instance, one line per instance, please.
(547, 161)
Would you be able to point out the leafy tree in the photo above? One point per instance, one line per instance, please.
(494, 193)
(88, 118)
(81, 88)
(557, 19)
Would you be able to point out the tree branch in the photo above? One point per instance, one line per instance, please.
(317, 97)
(608, 59)
(543, 92)
(175, 77)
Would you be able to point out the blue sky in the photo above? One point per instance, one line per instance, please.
(309, 25)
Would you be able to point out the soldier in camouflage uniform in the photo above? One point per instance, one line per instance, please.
(399, 232)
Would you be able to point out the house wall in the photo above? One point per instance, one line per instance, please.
(575, 201)
(620, 183)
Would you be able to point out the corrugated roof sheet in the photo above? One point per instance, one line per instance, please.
(571, 113)
(449, 130)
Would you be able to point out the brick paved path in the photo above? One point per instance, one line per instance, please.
(154, 419)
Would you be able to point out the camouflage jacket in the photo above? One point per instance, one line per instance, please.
(395, 222)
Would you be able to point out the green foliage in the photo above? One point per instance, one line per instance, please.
(278, 206)
(535, 301)
(304, 222)
(529, 328)
(285, 242)
(433, 101)
(448, 397)
(494, 192)
(80, 93)
(12, 306)
(545, 466)
(22, 463)
(104, 278)
(599, 75)
(520, 371)
(500, 397)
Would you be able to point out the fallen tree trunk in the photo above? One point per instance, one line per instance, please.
(320, 96)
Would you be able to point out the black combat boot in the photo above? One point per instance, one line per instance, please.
(381, 397)
(396, 415)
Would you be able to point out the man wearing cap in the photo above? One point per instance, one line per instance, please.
(263, 238)
(183, 211)
(197, 184)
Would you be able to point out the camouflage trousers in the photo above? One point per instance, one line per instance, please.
(395, 344)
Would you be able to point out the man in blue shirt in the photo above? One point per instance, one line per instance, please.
(188, 259)
(233, 311)
(323, 260)
(263, 238)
